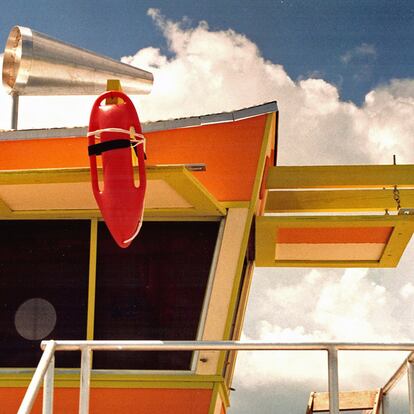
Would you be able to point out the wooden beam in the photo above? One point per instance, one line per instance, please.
(341, 176)
(378, 402)
(348, 400)
(336, 200)
(309, 408)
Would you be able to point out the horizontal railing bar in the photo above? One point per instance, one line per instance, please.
(227, 346)
(331, 347)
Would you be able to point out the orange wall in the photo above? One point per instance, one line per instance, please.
(230, 151)
(117, 401)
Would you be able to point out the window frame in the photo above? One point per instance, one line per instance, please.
(91, 298)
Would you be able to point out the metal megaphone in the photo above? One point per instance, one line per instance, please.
(36, 64)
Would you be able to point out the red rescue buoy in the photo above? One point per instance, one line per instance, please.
(110, 130)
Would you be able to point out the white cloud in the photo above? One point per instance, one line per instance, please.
(209, 71)
(407, 291)
(364, 50)
(389, 119)
(320, 305)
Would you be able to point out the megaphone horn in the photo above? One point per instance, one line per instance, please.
(36, 64)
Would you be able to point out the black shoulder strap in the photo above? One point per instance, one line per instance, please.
(98, 149)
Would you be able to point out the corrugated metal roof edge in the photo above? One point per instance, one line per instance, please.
(27, 134)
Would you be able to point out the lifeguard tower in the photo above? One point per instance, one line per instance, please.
(217, 205)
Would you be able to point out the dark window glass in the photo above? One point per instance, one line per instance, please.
(44, 268)
(154, 289)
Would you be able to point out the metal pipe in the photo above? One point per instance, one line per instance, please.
(33, 389)
(48, 388)
(227, 345)
(15, 110)
(85, 380)
(333, 383)
(36, 64)
(46, 364)
(410, 377)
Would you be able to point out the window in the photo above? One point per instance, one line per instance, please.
(152, 290)
(44, 267)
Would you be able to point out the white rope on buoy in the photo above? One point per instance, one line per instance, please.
(132, 133)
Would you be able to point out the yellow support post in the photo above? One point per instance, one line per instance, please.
(113, 85)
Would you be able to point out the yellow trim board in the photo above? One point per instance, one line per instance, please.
(74, 383)
(239, 322)
(5, 210)
(225, 394)
(198, 201)
(266, 228)
(221, 292)
(99, 380)
(92, 280)
(220, 398)
(341, 176)
(96, 214)
(267, 140)
(215, 401)
(268, 136)
(336, 201)
(223, 300)
(181, 180)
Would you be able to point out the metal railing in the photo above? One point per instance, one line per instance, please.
(45, 369)
(406, 367)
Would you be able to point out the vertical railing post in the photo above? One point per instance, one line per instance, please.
(48, 383)
(333, 382)
(410, 377)
(85, 380)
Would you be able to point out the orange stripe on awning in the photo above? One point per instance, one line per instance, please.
(334, 235)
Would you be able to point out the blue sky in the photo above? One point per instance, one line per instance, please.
(310, 38)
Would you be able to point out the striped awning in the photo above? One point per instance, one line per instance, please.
(332, 241)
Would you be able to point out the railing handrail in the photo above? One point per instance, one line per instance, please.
(46, 364)
(134, 345)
